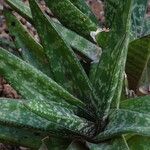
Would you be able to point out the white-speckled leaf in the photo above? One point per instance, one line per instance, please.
(62, 117)
(64, 64)
(30, 82)
(139, 9)
(14, 113)
(124, 121)
(139, 104)
(77, 42)
(110, 70)
(28, 48)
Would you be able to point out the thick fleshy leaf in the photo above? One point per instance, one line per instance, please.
(62, 117)
(139, 142)
(125, 121)
(139, 104)
(71, 17)
(138, 14)
(13, 113)
(31, 83)
(138, 11)
(65, 66)
(30, 51)
(23, 9)
(80, 44)
(19, 137)
(146, 27)
(90, 50)
(108, 74)
(82, 6)
(116, 144)
(30, 139)
(138, 56)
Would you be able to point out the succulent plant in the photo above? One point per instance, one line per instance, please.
(71, 83)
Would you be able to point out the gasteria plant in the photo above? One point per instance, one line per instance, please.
(71, 82)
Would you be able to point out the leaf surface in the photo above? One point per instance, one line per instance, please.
(77, 42)
(82, 6)
(71, 17)
(65, 66)
(138, 56)
(139, 104)
(29, 49)
(30, 82)
(62, 117)
(124, 121)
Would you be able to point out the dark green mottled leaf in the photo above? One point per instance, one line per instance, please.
(146, 27)
(13, 113)
(138, 56)
(62, 117)
(125, 121)
(19, 137)
(71, 17)
(77, 42)
(108, 73)
(29, 49)
(109, 77)
(30, 82)
(83, 46)
(138, 14)
(82, 6)
(65, 66)
(30, 139)
(23, 9)
(139, 104)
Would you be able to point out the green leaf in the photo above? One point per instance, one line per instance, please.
(138, 56)
(108, 73)
(62, 117)
(71, 17)
(82, 6)
(18, 137)
(139, 142)
(65, 66)
(30, 51)
(109, 76)
(146, 25)
(20, 6)
(116, 144)
(13, 113)
(80, 44)
(90, 50)
(31, 83)
(138, 13)
(139, 104)
(123, 122)
(30, 139)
